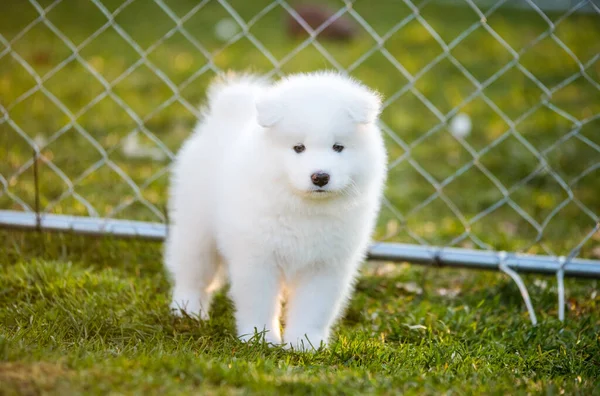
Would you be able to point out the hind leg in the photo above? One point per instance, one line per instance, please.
(193, 263)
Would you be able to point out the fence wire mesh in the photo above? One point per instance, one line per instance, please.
(491, 116)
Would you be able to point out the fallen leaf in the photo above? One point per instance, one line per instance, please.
(410, 287)
(450, 293)
(416, 327)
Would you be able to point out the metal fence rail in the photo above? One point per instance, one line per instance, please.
(92, 155)
(426, 255)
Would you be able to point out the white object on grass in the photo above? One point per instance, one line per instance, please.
(132, 148)
(40, 140)
(226, 28)
(461, 125)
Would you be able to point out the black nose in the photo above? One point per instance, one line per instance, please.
(320, 178)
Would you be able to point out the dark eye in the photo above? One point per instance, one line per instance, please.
(338, 148)
(299, 148)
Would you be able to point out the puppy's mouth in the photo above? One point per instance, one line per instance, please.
(320, 193)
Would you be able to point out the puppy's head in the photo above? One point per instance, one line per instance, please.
(322, 128)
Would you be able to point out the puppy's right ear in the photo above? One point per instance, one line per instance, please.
(269, 111)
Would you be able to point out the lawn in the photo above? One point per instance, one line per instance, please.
(82, 315)
(87, 316)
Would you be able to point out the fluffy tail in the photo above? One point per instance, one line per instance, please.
(234, 96)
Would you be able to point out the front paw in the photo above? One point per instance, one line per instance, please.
(305, 343)
(186, 307)
(263, 336)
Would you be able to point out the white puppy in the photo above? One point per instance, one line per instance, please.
(278, 188)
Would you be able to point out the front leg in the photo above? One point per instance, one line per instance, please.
(317, 298)
(255, 291)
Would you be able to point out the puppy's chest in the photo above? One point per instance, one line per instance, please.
(308, 240)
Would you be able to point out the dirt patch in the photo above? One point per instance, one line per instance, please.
(30, 378)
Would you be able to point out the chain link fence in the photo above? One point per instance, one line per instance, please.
(491, 115)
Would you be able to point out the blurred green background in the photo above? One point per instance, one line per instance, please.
(518, 206)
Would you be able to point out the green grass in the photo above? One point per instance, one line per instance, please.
(439, 154)
(87, 316)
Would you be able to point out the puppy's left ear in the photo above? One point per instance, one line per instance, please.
(364, 107)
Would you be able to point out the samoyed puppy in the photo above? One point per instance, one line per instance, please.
(277, 191)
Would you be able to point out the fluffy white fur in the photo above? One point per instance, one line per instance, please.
(243, 205)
